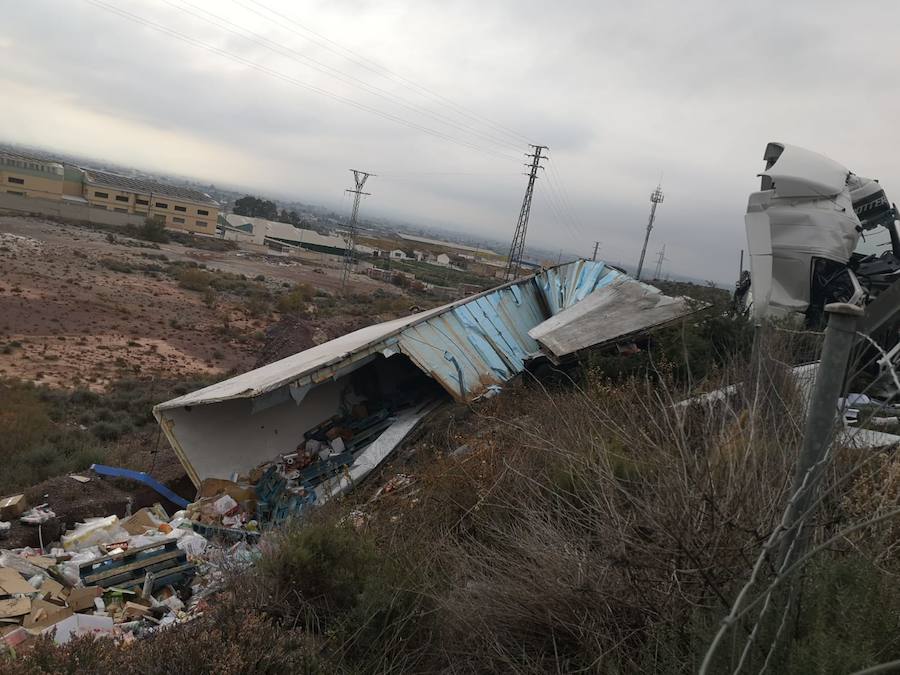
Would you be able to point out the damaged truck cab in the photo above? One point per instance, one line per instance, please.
(817, 233)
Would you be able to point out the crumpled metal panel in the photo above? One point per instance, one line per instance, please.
(565, 285)
(468, 346)
(612, 311)
(478, 344)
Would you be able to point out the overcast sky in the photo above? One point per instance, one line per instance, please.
(441, 98)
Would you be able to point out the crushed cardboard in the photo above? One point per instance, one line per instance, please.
(12, 583)
(43, 615)
(140, 522)
(82, 598)
(14, 607)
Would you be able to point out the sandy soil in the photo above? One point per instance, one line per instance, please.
(65, 319)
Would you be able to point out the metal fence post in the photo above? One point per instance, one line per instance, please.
(817, 436)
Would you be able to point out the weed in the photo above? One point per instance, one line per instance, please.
(116, 265)
(295, 300)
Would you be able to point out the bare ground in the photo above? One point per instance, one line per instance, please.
(69, 320)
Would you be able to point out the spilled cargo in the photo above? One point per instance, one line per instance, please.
(343, 406)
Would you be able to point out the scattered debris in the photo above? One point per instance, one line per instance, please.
(80, 479)
(115, 578)
(37, 515)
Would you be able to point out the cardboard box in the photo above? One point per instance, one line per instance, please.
(81, 599)
(55, 590)
(214, 487)
(41, 561)
(12, 507)
(134, 610)
(140, 522)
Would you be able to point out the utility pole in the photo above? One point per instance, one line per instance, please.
(659, 262)
(517, 248)
(656, 197)
(596, 246)
(359, 177)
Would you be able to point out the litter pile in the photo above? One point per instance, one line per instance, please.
(123, 578)
(276, 490)
(128, 577)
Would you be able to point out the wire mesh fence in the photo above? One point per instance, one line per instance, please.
(844, 492)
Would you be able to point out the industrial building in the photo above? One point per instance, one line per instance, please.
(25, 176)
(269, 232)
(47, 180)
(178, 207)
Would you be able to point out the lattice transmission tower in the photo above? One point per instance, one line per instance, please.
(360, 178)
(517, 248)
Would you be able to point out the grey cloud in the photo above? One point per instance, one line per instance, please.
(620, 91)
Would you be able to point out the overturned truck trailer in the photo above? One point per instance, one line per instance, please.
(391, 373)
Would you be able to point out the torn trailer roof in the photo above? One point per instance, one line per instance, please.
(467, 348)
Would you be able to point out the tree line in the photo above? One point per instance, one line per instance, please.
(255, 207)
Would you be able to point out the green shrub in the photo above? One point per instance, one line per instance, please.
(296, 299)
(850, 619)
(193, 279)
(257, 305)
(117, 265)
(24, 419)
(333, 580)
(154, 230)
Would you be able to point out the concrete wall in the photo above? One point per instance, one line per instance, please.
(51, 207)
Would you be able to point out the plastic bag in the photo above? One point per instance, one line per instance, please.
(94, 531)
(192, 543)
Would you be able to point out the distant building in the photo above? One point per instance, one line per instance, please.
(180, 208)
(443, 259)
(269, 232)
(398, 254)
(35, 177)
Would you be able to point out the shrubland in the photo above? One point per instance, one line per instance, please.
(46, 432)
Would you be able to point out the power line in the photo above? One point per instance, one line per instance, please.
(375, 67)
(291, 53)
(557, 177)
(555, 202)
(287, 78)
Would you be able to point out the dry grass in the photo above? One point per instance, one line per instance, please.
(594, 527)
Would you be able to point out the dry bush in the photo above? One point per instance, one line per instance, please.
(597, 523)
(229, 640)
(623, 512)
